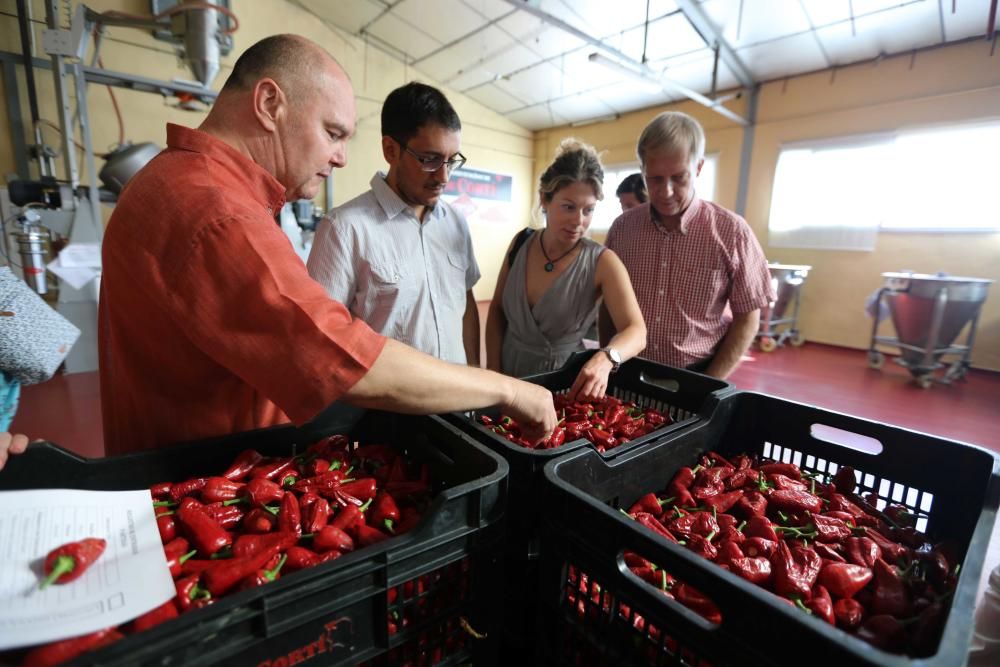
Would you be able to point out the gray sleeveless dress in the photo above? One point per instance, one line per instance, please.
(542, 338)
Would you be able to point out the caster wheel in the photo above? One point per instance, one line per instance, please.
(767, 344)
(925, 381)
(797, 339)
(875, 360)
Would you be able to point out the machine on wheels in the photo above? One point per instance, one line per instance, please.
(928, 313)
(787, 280)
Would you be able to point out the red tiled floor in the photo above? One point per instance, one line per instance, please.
(839, 379)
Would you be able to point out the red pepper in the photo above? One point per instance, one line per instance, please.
(724, 501)
(821, 605)
(368, 535)
(601, 438)
(187, 488)
(651, 522)
(614, 415)
(331, 537)
(786, 469)
(884, 632)
(197, 565)
(259, 521)
(414, 489)
(784, 482)
(557, 439)
(753, 503)
(227, 516)
(828, 553)
(728, 550)
(863, 551)
(890, 594)
(795, 570)
(316, 515)
(167, 526)
(702, 546)
(277, 469)
(188, 591)
(243, 464)
(696, 602)
(647, 503)
(260, 491)
(289, 516)
(840, 503)
(657, 418)
(204, 532)
(758, 546)
(69, 561)
(848, 613)
(742, 477)
(226, 574)
(890, 550)
(681, 495)
(409, 518)
(326, 481)
(161, 491)
(829, 529)
(759, 526)
(348, 517)
(248, 546)
(264, 575)
(790, 500)
(220, 489)
(843, 580)
(154, 617)
(843, 516)
(755, 570)
(300, 558)
(64, 650)
(384, 512)
(844, 481)
(177, 554)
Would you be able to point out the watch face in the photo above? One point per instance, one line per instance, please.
(613, 355)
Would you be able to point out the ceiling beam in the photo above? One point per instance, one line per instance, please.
(699, 20)
(624, 62)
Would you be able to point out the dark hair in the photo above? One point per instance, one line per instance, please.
(633, 184)
(575, 162)
(410, 107)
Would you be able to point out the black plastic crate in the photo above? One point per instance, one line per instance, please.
(445, 571)
(955, 486)
(686, 396)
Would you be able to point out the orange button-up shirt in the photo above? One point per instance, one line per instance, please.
(209, 323)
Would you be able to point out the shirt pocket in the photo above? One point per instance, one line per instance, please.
(701, 289)
(388, 297)
(454, 281)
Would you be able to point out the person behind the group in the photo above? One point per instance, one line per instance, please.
(631, 192)
(398, 256)
(698, 271)
(548, 290)
(209, 323)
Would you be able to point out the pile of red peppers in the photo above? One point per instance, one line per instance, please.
(607, 423)
(807, 538)
(264, 517)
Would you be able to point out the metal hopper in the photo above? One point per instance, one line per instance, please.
(787, 280)
(929, 312)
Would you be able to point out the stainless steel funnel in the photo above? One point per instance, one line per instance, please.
(930, 311)
(785, 279)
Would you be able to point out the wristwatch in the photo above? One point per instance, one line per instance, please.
(616, 359)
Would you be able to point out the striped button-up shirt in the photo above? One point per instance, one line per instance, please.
(406, 279)
(690, 280)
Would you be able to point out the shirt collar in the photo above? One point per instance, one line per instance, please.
(392, 204)
(687, 216)
(261, 185)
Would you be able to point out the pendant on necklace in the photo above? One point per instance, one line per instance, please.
(550, 267)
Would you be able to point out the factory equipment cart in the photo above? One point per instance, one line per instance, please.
(787, 280)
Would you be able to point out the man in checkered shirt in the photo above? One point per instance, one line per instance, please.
(697, 269)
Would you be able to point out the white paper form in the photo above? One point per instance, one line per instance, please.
(130, 578)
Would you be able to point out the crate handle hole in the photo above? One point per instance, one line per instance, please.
(663, 383)
(848, 439)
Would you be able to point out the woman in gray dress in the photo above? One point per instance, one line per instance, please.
(547, 295)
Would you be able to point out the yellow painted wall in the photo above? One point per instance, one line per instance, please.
(952, 84)
(491, 142)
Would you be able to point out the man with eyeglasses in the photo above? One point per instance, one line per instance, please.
(397, 256)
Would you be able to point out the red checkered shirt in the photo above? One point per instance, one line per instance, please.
(689, 281)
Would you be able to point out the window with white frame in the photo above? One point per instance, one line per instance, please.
(839, 194)
(608, 208)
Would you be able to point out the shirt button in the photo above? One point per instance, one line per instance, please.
(658, 318)
(655, 346)
(661, 292)
(664, 265)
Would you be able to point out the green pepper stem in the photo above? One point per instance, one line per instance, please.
(63, 565)
(364, 507)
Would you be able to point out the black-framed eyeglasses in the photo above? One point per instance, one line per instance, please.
(432, 164)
